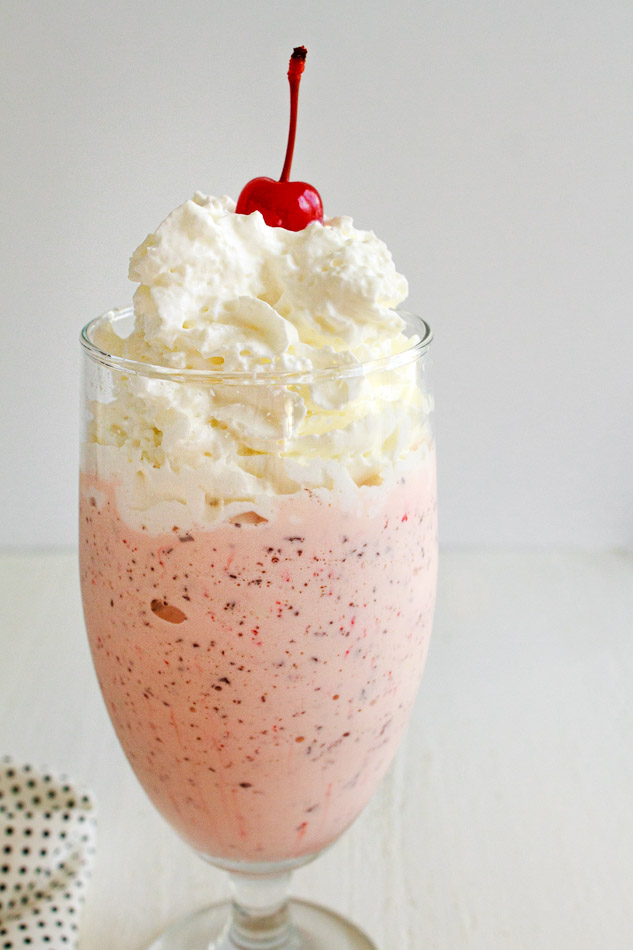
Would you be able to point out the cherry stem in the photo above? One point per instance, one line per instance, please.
(295, 69)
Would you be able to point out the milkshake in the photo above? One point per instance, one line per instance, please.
(258, 525)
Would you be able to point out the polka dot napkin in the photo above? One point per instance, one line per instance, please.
(47, 839)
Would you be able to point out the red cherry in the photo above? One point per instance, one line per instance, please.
(285, 204)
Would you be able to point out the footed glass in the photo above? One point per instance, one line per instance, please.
(258, 563)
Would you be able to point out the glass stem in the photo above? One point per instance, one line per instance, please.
(260, 916)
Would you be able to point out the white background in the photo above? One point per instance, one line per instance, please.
(489, 143)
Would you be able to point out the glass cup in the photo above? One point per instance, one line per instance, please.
(258, 565)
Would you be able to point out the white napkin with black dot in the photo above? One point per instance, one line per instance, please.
(47, 844)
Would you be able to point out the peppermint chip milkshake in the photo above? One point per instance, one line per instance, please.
(258, 525)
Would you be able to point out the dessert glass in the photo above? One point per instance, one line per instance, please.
(259, 657)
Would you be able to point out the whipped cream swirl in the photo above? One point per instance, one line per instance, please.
(226, 294)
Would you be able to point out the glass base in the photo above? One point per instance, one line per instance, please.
(313, 928)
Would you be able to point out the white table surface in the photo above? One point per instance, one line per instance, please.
(506, 821)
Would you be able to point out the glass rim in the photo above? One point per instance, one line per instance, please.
(258, 377)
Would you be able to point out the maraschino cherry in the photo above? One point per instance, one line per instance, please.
(285, 204)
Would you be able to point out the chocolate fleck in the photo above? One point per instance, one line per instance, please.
(167, 612)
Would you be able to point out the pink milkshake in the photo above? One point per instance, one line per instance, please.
(259, 674)
(258, 526)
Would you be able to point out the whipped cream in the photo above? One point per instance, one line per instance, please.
(227, 294)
